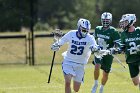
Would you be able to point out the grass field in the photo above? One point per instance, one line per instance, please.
(33, 79)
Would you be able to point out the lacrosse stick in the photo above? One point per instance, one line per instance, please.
(57, 35)
(119, 61)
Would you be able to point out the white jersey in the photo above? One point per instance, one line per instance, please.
(78, 49)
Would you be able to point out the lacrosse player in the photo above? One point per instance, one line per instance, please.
(130, 38)
(107, 37)
(80, 44)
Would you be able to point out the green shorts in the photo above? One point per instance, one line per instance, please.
(134, 69)
(105, 62)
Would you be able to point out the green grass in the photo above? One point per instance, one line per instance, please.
(33, 79)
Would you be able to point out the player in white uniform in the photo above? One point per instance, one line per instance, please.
(80, 44)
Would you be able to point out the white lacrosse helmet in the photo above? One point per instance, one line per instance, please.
(127, 20)
(106, 19)
(84, 27)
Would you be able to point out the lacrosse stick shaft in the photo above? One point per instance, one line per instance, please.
(57, 36)
(51, 66)
(119, 61)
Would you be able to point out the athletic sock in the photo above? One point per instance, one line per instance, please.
(101, 88)
(96, 82)
(94, 88)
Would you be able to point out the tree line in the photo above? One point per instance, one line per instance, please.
(62, 14)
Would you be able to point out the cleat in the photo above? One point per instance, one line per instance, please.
(94, 88)
(101, 90)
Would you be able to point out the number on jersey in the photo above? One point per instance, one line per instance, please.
(77, 50)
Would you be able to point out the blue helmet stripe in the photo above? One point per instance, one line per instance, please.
(87, 24)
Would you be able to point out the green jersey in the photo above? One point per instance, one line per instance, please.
(107, 38)
(129, 42)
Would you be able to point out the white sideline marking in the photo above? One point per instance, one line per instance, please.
(26, 87)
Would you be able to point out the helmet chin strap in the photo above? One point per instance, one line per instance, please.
(79, 34)
(105, 28)
(127, 28)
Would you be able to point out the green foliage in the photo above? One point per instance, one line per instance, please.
(9, 15)
(40, 26)
(57, 13)
(62, 14)
(14, 14)
(120, 7)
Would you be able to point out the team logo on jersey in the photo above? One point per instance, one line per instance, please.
(132, 39)
(78, 43)
(102, 43)
(103, 36)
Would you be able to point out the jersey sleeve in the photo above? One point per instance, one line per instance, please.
(116, 38)
(64, 39)
(122, 45)
(93, 41)
(95, 32)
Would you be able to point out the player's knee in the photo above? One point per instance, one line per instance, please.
(135, 83)
(105, 75)
(136, 80)
(76, 89)
(67, 84)
(97, 66)
(76, 86)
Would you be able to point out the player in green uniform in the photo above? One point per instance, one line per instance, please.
(107, 37)
(130, 39)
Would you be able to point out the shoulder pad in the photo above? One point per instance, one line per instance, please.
(113, 28)
(99, 27)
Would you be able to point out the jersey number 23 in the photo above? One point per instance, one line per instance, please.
(77, 50)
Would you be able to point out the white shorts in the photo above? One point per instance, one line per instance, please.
(75, 69)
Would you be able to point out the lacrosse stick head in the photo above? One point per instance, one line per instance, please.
(57, 35)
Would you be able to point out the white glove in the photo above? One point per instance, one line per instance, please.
(55, 47)
(101, 53)
(112, 51)
(94, 48)
(138, 48)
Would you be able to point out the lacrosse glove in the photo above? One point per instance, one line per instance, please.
(98, 52)
(55, 47)
(95, 48)
(115, 51)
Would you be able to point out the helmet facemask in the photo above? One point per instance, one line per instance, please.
(83, 31)
(106, 19)
(106, 22)
(83, 27)
(124, 24)
(127, 21)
